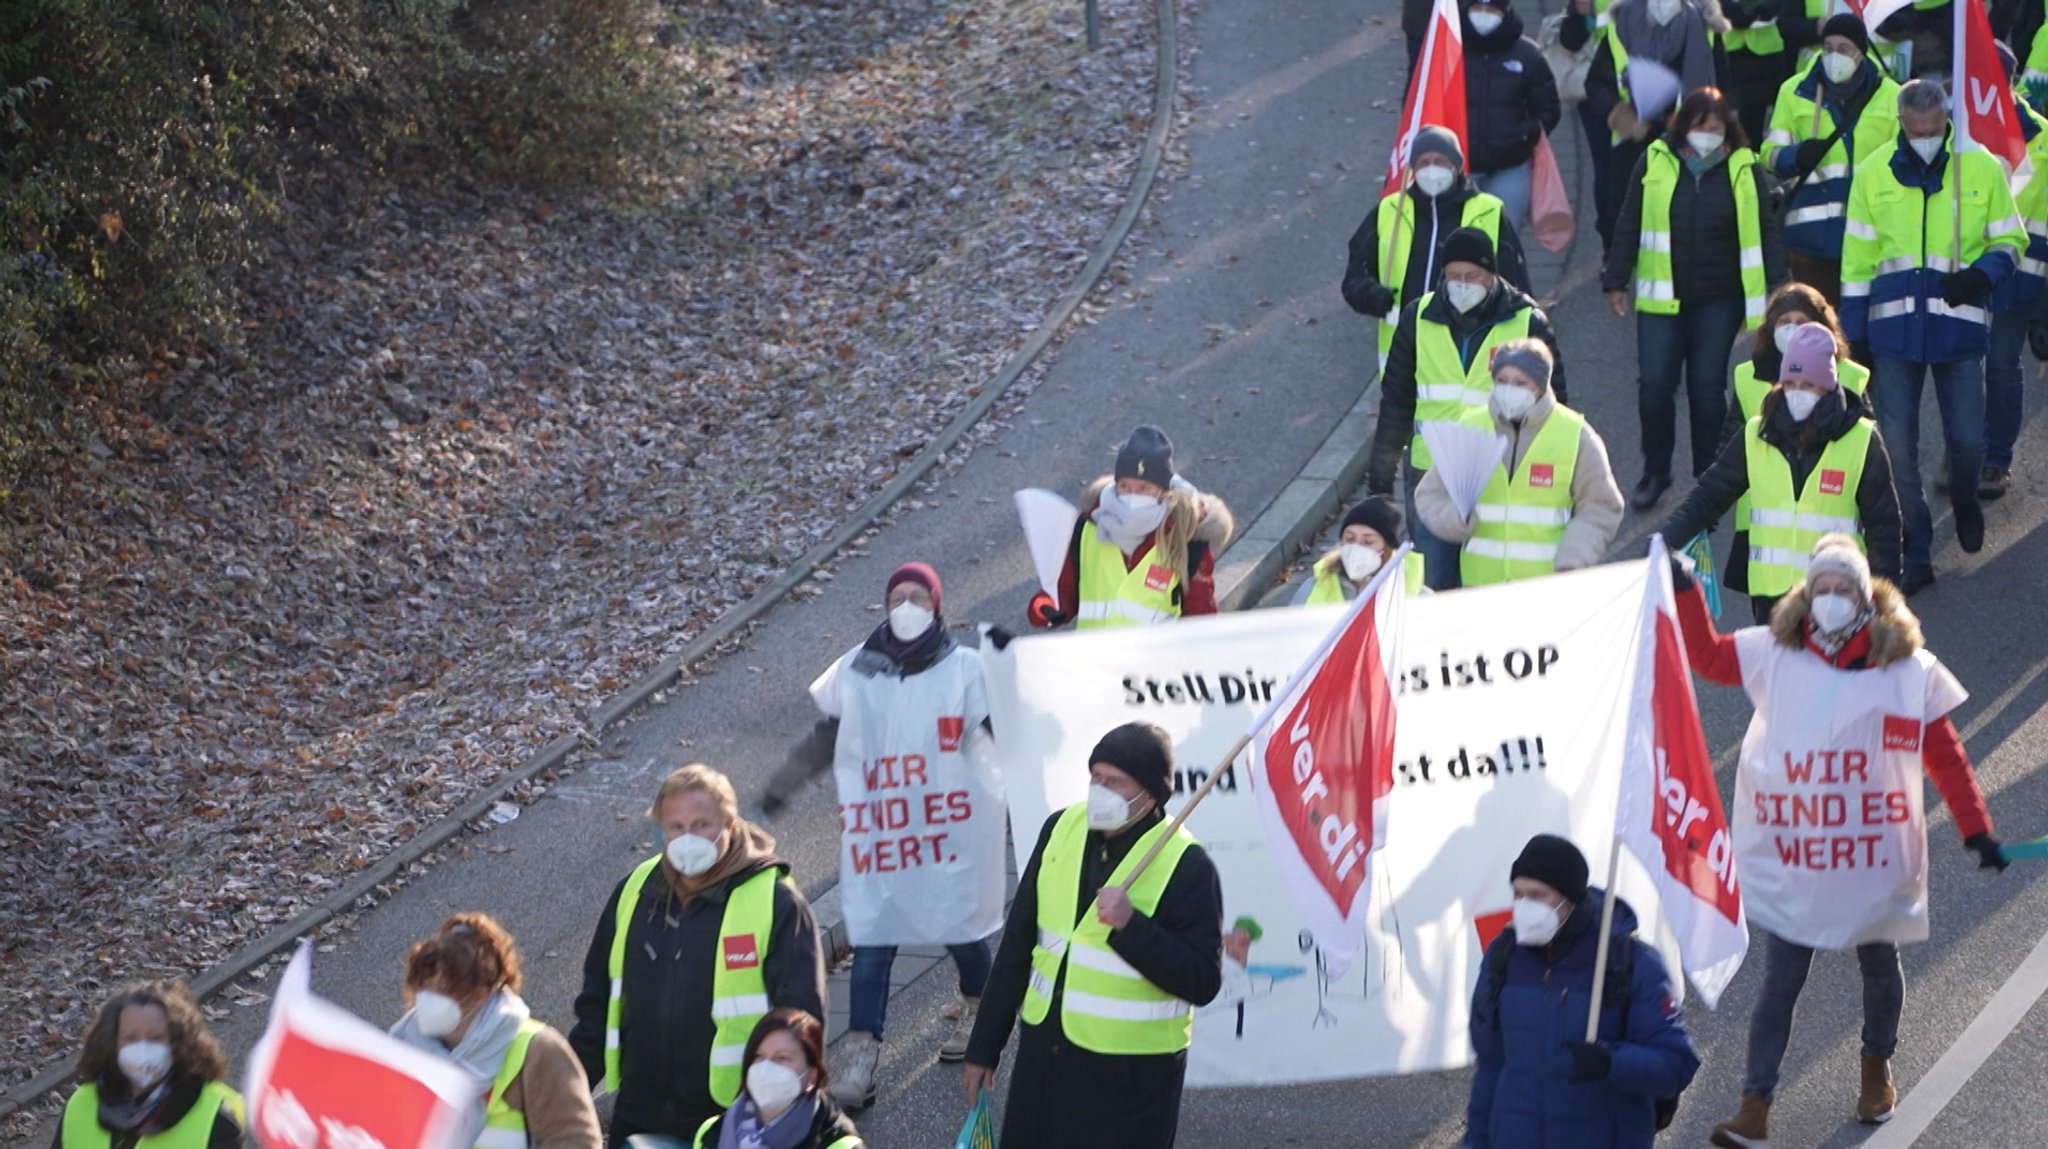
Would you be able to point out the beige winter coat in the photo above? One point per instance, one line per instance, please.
(1596, 499)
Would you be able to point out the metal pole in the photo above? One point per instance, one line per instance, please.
(1094, 25)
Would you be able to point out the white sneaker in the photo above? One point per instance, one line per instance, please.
(853, 1070)
(953, 1008)
(955, 1048)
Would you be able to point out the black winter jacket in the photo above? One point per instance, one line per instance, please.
(666, 1031)
(1397, 385)
(1435, 220)
(1877, 503)
(1510, 97)
(1179, 948)
(1706, 247)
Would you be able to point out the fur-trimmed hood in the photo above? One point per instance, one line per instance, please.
(1214, 523)
(1894, 631)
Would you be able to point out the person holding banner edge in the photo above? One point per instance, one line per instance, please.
(462, 985)
(1536, 1082)
(1850, 708)
(1105, 969)
(693, 947)
(906, 719)
(151, 1074)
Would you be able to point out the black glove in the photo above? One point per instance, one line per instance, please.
(1377, 301)
(1966, 286)
(1989, 857)
(1681, 578)
(1590, 1062)
(1042, 612)
(998, 637)
(1809, 154)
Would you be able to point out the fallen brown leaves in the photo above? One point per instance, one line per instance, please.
(483, 460)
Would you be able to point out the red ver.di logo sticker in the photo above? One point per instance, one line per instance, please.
(741, 952)
(1158, 577)
(1831, 482)
(950, 729)
(1542, 474)
(1901, 733)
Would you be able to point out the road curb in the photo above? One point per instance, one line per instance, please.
(1165, 93)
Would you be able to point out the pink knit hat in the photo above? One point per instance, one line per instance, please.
(1810, 357)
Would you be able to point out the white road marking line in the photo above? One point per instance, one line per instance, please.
(1918, 1109)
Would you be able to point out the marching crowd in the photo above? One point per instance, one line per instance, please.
(1801, 211)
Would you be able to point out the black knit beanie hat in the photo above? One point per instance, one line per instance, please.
(1147, 455)
(1380, 513)
(1143, 751)
(1556, 863)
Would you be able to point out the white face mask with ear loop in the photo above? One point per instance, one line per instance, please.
(1361, 562)
(1434, 180)
(1536, 922)
(1831, 612)
(692, 855)
(907, 620)
(144, 1063)
(1926, 147)
(1464, 296)
(1485, 23)
(1838, 68)
(436, 1014)
(773, 1086)
(1782, 335)
(1107, 809)
(1800, 404)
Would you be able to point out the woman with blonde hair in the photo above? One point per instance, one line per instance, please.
(151, 1077)
(462, 985)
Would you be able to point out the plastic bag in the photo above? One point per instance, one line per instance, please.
(980, 1130)
(1550, 209)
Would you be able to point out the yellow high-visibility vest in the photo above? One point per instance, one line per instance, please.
(1113, 596)
(504, 1126)
(1519, 520)
(1783, 523)
(1329, 589)
(82, 1128)
(1107, 1006)
(1445, 389)
(1397, 241)
(1750, 388)
(1656, 289)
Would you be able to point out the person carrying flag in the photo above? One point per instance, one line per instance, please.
(2013, 304)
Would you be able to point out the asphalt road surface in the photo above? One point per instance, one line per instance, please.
(1234, 339)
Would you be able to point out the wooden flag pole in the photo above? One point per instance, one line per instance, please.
(1194, 800)
(1600, 951)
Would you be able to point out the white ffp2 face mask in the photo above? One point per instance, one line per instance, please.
(1704, 143)
(908, 620)
(1831, 612)
(1536, 922)
(1782, 335)
(773, 1086)
(1107, 809)
(1360, 562)
(437, 1014)
(1926, 147)
(1464, 296)
(1485, 23)
(1800, 404)
(692, 855)
(1434, 180)
(144, 1063)
(1511, 402)
(1838, 68)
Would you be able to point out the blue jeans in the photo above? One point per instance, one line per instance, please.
(1696, 341)
(1439, 556)
(871, 965)
(1511, 187)
(2004, 387)
(1785, 968)
(1896, 386)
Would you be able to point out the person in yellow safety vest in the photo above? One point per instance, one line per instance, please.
(697, 944)
(1144, 549)
(1682, 36)
(2013, 305)
(1701, 250)
(1439, 369)
(785, 1104)
(151, 1077)
(1762, 42)
(1397, 253)
(1106, 979)
(1791, 306)
(1915, 288)
(462, 982)
(1809, 463)
(1367, 538)
(1551, 503)
(1829, 119)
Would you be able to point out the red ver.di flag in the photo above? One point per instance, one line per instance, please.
(1670, 814)
(1436, 90)
(1322, 764)
(323, 1078)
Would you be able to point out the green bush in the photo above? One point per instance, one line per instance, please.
(138, 138)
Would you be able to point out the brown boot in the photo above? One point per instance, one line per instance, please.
(1874, 1104)
(1751, 1127)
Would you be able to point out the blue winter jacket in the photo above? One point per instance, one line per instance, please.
(1521, 1095)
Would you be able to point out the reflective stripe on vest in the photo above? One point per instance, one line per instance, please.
(1445, 389)
(1113, 596)
(704, 1140)
(1328, 587)
(1107, 1006)
(1656, 291)
(1750, 389)
(1784, 524)
(739, 996)
(1397, 240)
(1519, 522)
(504, 1126)
(82, 1128)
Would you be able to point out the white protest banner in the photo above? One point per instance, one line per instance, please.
(323, 1078)
(920, 801)
(1512, 703)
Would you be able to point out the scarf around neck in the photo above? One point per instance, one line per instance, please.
(743, 1129)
